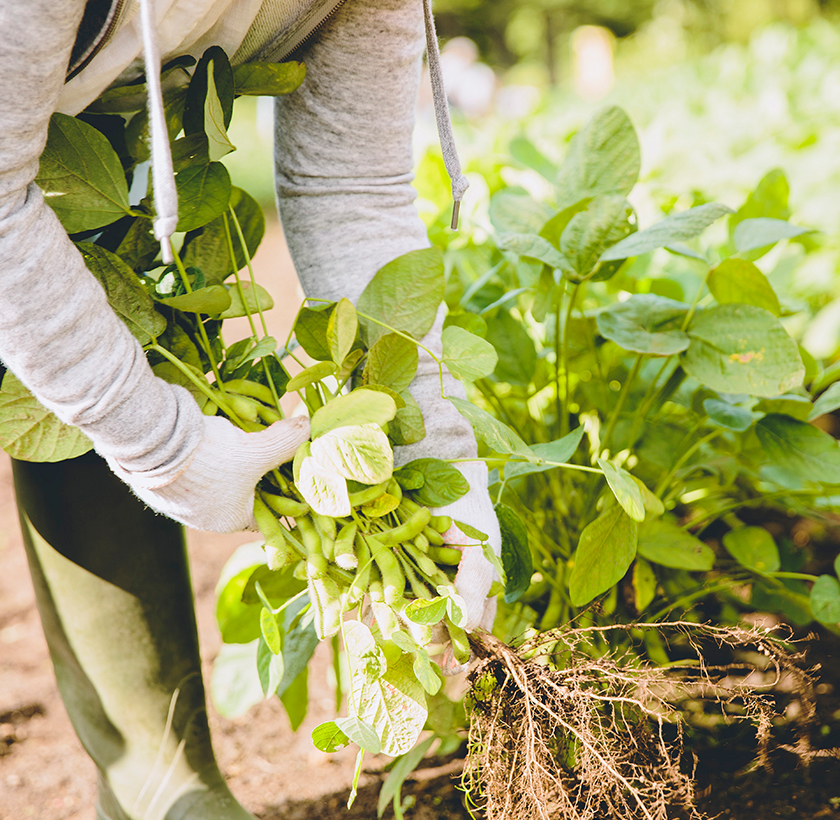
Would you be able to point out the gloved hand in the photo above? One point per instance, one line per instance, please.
(215, 489)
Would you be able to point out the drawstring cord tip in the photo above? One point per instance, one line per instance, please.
(456, 209)
(166, 251)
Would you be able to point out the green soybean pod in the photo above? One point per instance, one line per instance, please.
(277, 548)
(365, 565)
(393, 579)
(375, 589)
(445, 555)
(254, 390)
(367, 495)
(408, 530)
(421, 542)
(423, 561)
(408, 507)
(418, 588)
(343, 552)
(268, 415)
(316, 562)
(460, 642)
(326, 601)
(433, 536)
(441, 523)
(245, 408)
(326, 529)
(284, 506)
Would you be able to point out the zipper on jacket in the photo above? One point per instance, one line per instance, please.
(102, 39)
(308, 31)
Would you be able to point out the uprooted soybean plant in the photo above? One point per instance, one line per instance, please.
(620, 423)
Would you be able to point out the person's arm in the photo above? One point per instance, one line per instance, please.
(59, 335)
(344, 174)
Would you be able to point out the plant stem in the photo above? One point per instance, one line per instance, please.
(247, 256)
(631, 377)
(563, 362)
(646, 403)
(568, 466)
(663, 484)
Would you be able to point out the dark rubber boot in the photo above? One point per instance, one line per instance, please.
(113, 589)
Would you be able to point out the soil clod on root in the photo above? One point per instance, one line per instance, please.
(562, 729)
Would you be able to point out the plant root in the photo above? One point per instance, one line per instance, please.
(562, 729)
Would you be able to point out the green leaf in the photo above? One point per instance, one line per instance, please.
(514, 347)
(800, 448)
(81, 176)
(426, 672)
(126, 296)
(603, 158)
(215, 61)
(770, 198)
(606, 549)
(407, 426)
(208, 248)
(211, 300)
(392, 361)
(360, 732)
(837, 565)
(218, 143)
(405, 295)
(269, 668)
(514, 211)
(341, 330)
(268, 79)
(255, 300)
(426, 610)
(299, 643)
(525, 152)
(828, 402)
(494, 433)
(558, 451)
(467, 356)
(192, 150)
(329, 738)
(825, 600)
(589, 233)
(295, 698)
(645, 323)
(644, 583)
(441, 482)
(277, 585)
(204, 192)
(311, 331)
(239, 353)
(270, 633)
(239, 622)
(322, 488)
(742, 349)
(235, 683)
(30, 432)
(401, 769)
(653, 504)
(672, 229)
(310, 375)
(737, 280)
(625, 489)
(727, 415)
(753, 548)
(360, 406)
(516, 554)
(751, 234)
(791, 404)
(359, 452)
(532, 246)
(395, 705)
(668, 545)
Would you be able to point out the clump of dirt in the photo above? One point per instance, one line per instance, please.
(561, 728)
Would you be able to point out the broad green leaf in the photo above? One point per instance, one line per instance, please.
(255, 300)
(323, 489)
(603, 158)
(606, 549)
(329, 738)
(467, 356)
(310, 375)
(514, 347)
(515, 211)
(269, 668)
(81, 176)
(469, 321)
(311, 331)
(644, 583)
(752, 234)
(139, 247)
(359, 452)
(668, 545)
(426, 672)
(737, 280)
(470, 531)
(299, 643)
(524, 151)
(837, 566)
(360, 732)
(360, 406)
(211, 300)
(218, 142)
(800, 448)
(769, 199)
(589, 233)
(753, 548)
(295, 698)
(441, 482)
(828, 402)
(392, 361)
(341, 330)
(742, 349)
(426, 610)
(277, 585)
(270, 632)
(825, 600)
(407, 426)
(532, 246)
(395, 705)
(268, 79)
(174, 375)
(365, 656)
(557, 452)
(645, 323)
(215, 61)
(727, 415)
(516, 554)
(245, 351)
(128, 298)
(239, 622)
(191, 150)
(208, 248)
(674, 228)
(204, 192)
(235, 683)
(494, 433)
(405, 295)
(402, 768)
(625, 489)
(653, 504)
(791, 404)
(30, 432)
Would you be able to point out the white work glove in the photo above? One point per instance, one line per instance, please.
(215, 489)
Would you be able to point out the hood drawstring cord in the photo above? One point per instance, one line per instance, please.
(444, 124)
(163, 175)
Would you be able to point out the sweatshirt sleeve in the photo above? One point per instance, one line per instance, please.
(57, 331)
(344, 173)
